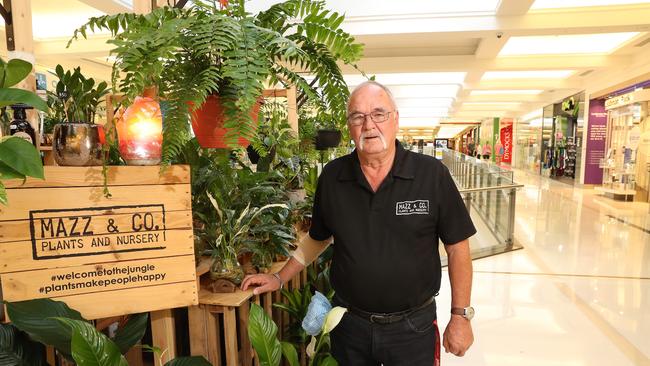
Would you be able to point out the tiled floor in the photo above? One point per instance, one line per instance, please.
(577, 294)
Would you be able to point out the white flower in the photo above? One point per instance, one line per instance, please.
(333, 318)
(311, 347)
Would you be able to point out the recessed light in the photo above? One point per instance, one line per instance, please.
(506, 92)
(532, 74)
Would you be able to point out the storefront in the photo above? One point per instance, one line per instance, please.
(527, 148)
(627, 146)
(561, 139)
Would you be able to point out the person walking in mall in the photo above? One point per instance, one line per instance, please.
(487, 151)
(386, 209)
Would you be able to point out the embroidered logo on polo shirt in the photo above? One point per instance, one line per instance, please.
(417, 207)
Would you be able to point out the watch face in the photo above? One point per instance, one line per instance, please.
(469, 313)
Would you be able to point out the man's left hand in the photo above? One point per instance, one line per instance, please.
(458, 336)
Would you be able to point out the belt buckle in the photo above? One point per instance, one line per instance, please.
(377, 318)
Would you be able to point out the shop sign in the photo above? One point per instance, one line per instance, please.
(595, 143)
(102, 256)
(506, 141)
(619, 101)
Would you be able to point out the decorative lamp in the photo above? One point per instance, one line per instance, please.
(139, 132)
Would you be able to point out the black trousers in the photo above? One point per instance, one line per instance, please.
(411, 341)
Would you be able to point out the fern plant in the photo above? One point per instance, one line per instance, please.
(189, 54)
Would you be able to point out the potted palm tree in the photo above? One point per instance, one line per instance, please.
(225, 56)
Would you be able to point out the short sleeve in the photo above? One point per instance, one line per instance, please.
(454, 222)
(318, 229)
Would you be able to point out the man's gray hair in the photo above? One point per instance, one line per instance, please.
(365, 84)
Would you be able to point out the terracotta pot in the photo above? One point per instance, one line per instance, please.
(207, 123)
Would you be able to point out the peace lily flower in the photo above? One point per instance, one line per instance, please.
(333, 318)
(320, 320)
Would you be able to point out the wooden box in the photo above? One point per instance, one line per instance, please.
(133, 252)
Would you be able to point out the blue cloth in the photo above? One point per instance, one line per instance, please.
(316, 312)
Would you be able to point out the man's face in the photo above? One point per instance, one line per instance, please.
(373, 137)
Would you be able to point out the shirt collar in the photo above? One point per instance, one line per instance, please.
(403, 166)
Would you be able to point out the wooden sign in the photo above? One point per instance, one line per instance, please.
(130, 253)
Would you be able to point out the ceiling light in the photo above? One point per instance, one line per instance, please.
(566, 44)
(423, 112)
(423, 102)
(554, 4)
(426, 91)
(413, 78)
(532, 74)
(418, 122)
(534, 114)
(491, 103)
(506, 91)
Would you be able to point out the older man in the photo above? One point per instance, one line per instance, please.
(386, 208)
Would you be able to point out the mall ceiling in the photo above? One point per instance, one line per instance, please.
(449, 64)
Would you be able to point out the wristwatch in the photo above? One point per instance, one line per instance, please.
(467, 313)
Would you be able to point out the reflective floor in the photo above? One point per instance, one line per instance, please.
(577, 294)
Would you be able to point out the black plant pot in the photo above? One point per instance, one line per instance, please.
(326, 139)
(253, 156)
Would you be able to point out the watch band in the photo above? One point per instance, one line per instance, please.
(458, 311)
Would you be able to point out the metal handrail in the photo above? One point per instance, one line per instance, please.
(493, 188)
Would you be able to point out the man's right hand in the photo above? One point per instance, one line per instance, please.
(265, 282)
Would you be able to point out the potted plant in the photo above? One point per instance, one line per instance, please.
(77, 140)
(193, 54)
(18, 158)
(233, 235)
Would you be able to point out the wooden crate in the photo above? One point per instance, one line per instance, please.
(133, 252)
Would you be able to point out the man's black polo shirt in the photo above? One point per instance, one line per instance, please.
(386, 255)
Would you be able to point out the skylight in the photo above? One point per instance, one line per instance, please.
(538, 74)
(603, 43)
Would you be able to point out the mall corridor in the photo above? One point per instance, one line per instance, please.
(577, 294)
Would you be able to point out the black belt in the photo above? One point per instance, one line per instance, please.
(385, 318)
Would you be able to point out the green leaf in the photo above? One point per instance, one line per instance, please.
(262, 333)
(329, 361)
(132, 332)
(289, 352)
(15, 71)
(22, 157)
(90, 347)
(16, 349)
(189, 361)
(35, 317)
(10, 96)
(7, 172)
(3, 194)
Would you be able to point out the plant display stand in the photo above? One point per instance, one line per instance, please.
(62, 238)
(231, 310)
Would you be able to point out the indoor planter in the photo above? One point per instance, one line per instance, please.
(233, 235)
(208, 123)
(190, 54)
(77, 140)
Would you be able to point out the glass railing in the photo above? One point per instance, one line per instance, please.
(490, 193)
